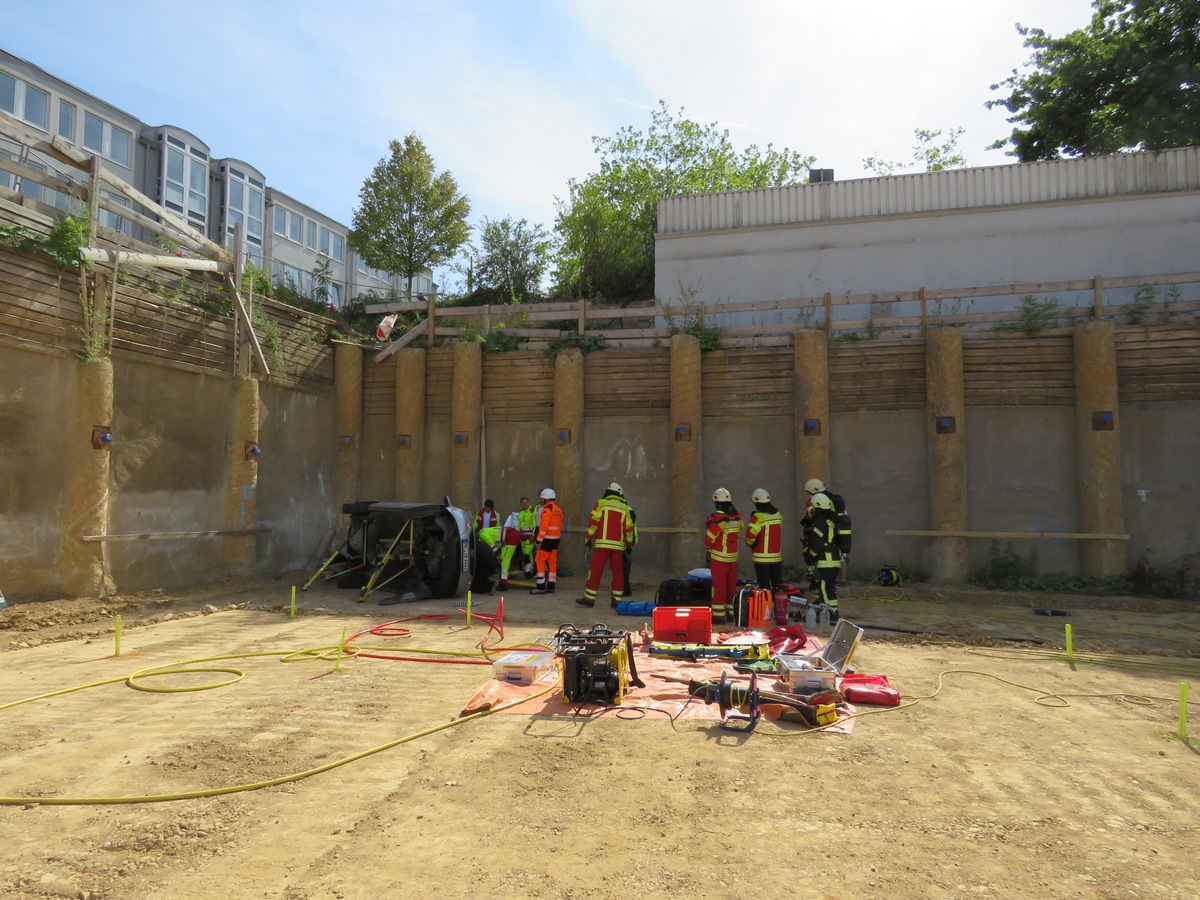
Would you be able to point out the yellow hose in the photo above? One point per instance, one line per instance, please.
(321, 653)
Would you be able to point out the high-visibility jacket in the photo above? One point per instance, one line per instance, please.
(764, 536)
(610, 526)
(527, 522)
(721, 532)
(550, 522)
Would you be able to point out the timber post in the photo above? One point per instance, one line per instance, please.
(410, 424)
(946, 430)
(1098, 443)
(686, 417)
(568, 452)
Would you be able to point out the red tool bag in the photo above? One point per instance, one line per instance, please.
(874, 690)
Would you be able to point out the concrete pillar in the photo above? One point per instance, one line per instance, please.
(686, 415)
(347, 415)
(85, 565)
(241, 490)
(947, 452)
(410, 425)
(466, 414)
(568, 453)
(811, 368)
(1098, 443)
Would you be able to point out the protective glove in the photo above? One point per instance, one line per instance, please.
(587, 545)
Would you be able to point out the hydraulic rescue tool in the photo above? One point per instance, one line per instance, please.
(729, 696)
(597, 664)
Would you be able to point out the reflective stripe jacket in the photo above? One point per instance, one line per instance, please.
(721, 532)
(820, 541)
(610, 526)
(550, 521)
(765, 537)
(527, 523)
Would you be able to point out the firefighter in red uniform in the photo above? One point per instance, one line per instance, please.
(764, 536)
(549, 533)
(721, 531)
(609, 535)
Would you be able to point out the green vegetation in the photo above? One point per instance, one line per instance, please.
(1036, 315)
(927, 153)
(64, 244)
(1007, 570)
(1129, 80)
(586, 343)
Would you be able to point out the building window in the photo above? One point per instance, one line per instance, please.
(107, 140)
(335, 295)
(8, 93)
(288, 224)
(332, 244)
(112, 220)
(66, 120)
(310, 236)
(25, 101)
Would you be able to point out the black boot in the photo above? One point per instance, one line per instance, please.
(550, 588)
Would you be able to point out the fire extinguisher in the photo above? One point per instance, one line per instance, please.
(781, 608)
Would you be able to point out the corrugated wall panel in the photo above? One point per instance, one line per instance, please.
(379, 387)
(1040, 182)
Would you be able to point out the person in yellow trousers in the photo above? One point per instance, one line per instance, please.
(764, 537)
(609, 535)
(721, 531)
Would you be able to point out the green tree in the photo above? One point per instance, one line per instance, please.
(512, 258)
(605, 226)
(409, 218)
(927, 152)
(1129, 80)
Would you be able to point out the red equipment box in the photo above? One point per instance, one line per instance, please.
(683, 624)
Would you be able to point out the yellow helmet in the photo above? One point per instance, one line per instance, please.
(760, 496)
(720, 495)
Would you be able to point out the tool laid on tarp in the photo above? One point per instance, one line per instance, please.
(818, 711)
(597, 664)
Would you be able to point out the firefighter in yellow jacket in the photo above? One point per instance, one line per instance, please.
(609, 535)
(764, 536)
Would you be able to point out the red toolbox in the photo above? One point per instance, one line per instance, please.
(683, 624)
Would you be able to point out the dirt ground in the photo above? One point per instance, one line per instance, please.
(979, 791)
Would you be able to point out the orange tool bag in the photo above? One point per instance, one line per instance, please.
(761, 610)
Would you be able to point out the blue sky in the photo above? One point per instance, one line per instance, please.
(507, 95)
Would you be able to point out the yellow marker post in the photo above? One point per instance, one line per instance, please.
(338, 665)
(468, 607)
(117, 636)
(292, 608)
(1183, 702)
(1070, 646)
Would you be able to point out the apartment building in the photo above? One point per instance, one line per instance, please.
(299, 246)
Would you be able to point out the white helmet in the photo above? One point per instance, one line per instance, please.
(720, 495)
(821, 501)
(814, 485)
(547, 494)
(760, 496)
(616, 489)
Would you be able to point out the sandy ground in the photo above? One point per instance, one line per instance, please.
(979, 791)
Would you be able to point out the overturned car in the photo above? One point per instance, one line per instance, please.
(414, 550)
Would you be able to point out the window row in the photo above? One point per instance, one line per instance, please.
(32, 104)
(306, 283)
(311, 234)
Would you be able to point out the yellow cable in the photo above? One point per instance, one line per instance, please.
(177, 669)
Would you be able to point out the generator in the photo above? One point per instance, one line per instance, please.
(597, 665)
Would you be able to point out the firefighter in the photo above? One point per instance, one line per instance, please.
(813, 487)
(609, 535)
(764, 536)
(821, 545)
(721, 531)
(549, 533)
(510, 540)
(527, 525)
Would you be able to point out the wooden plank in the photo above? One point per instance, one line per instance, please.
(1048, 535)
(174, 535)
(55, 147)
(166, 215)
(411, 335)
